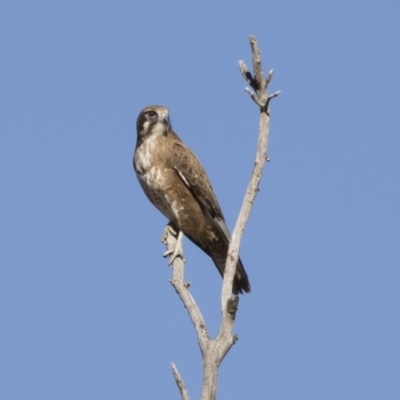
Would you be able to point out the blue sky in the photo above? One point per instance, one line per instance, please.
(86, 309)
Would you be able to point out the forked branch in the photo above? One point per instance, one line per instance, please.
(214, 350)
(261, 97)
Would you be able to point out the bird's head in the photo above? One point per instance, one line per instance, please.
(153, 120)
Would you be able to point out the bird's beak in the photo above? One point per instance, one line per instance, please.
(164, 117)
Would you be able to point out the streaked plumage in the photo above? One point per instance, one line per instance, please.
(176, 183)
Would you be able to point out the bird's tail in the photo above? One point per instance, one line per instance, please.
(218, 252)
(240, 281)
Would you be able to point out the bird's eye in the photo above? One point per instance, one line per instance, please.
(152, 114)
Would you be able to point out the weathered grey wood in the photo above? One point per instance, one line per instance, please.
(214, 351)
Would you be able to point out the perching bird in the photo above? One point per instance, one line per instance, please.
(176, 183)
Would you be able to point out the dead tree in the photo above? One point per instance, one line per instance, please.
(213, 351)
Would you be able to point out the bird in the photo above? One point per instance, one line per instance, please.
(176, 183)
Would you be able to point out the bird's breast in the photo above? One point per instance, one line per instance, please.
(146, 155)
(155, 177)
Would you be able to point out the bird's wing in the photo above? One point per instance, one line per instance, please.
(193, 175)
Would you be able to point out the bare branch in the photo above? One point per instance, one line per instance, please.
(269, 77)
(276, 94)
(260, 96)
(182, 288)
(256, 58)
(214, 351)
(246, 74)
(179, 382)
(256, 80)
(253, 96)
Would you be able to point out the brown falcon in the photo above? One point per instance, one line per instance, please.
(176, 183)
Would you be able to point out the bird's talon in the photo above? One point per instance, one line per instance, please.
(167, 253)
(177, 251)
(174, 254)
